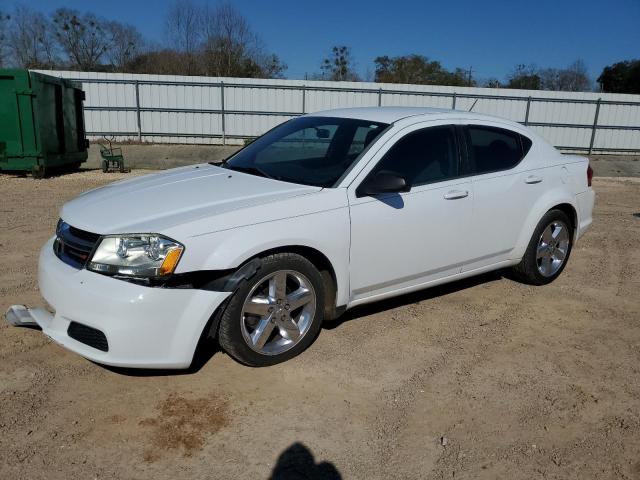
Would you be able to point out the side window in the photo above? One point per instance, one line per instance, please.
(492, 149)
(423, 156)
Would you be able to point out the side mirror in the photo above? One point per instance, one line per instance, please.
(382, 182)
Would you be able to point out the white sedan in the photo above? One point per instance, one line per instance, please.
(324, 212)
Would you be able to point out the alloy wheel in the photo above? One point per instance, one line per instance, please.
(278, 312)
(553, 247)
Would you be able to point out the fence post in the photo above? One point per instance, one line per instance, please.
(526, 115)
(453, 101)
(595, 126)
(224, 131)
(137, 85)
(304, 99)
(379, 97)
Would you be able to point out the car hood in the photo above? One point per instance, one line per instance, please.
(156, 202)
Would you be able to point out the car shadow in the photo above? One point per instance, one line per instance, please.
(297, 463)
(393, 200)
(380, 306)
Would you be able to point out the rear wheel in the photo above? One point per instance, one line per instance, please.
(548, 250)
(276, 314)
(39, 172)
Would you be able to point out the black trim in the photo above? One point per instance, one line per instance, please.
(89, 336)
(526, 144)
(74, 246)
(214, 280)
(464, 166)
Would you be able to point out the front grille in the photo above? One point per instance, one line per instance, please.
(72, 245)
(89, 336)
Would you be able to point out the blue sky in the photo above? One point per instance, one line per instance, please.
(491, 37)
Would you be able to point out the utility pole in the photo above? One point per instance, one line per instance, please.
(469, 77)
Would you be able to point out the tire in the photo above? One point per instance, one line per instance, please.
(122, 169)
(39, 172)
(539, 265)
(105, 166)
(288, 325)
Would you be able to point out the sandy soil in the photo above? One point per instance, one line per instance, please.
(484, 378)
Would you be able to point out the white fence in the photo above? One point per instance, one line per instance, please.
(181, 109)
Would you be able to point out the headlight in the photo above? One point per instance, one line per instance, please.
(136, 256)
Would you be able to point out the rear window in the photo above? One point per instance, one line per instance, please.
(493, 149)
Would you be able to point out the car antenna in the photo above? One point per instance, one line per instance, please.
(474, 104)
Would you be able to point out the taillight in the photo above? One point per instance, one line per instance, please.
(589, 175)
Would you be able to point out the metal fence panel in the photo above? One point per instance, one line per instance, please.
(182, 109)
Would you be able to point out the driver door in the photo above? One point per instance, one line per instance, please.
(403, 240)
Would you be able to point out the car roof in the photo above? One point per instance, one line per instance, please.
(393, 114)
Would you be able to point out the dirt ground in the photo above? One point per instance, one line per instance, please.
(484, 378)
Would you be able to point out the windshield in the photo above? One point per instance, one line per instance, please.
(308, 150)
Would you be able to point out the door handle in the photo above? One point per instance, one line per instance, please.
(531, 179)
(455, 194)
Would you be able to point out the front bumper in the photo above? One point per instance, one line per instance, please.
(145, 327)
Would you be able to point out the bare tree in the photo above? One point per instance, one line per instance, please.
(4, 19)
(184, 25)
(157, 61)
(218, 40)
(492, 82)
(271, 66)
(339, 65)
(85, 39)
(574, 78)
(230, 46)
(30, 39)
(127, 43)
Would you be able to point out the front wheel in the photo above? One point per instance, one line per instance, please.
(548, 250)
(276, 314)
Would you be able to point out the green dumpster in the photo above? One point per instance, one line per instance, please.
(41, 123)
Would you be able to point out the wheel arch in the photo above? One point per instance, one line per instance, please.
(571, 212)
(324, 266)
(560, 202)
(228, 278)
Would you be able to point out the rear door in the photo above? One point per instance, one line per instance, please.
(506, 185)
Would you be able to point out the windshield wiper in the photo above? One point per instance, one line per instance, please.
(250, 170)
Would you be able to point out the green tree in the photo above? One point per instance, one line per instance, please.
(524, 77)
(621, 77)
(419, 70)
(339, 65)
